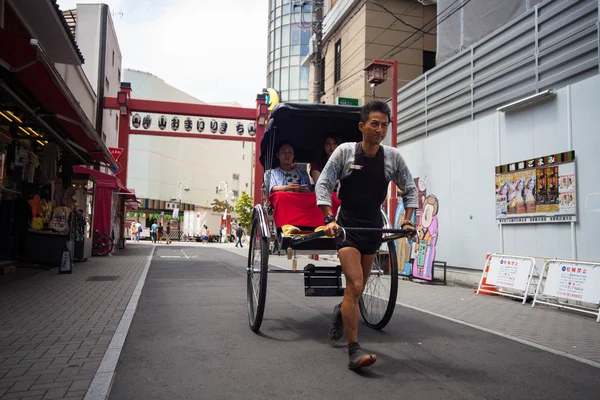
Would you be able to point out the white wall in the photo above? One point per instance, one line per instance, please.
(158, 164)
(113, 74)
(87, 32)
(459, 164)
(79, 85)
(150, 87)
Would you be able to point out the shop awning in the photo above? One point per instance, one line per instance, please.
(106, 181)
(33, 71)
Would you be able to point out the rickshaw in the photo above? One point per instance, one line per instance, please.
(305, 127)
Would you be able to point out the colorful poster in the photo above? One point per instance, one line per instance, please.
(537, 190)
(426, 240)
(403, 245)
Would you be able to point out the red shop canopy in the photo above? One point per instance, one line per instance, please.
(104, 180)
(35, 73)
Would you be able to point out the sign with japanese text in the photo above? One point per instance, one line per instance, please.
(537, 190)
(509, 272)
(573, 281)
(115, 152)
(186, 124)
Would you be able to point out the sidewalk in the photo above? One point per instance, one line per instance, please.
(55, 329)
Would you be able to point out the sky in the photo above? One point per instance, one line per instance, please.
(215, 51)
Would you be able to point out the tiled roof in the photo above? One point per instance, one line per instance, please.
(68, 30)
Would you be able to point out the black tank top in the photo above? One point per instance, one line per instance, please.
(362, 192)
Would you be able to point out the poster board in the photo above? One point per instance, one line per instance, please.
(538, 190)
(510, 274)
(571, 280)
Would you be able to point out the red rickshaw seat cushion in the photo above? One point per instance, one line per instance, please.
(299, 209)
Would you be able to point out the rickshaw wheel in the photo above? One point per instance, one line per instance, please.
(257, 271)
(379, 296)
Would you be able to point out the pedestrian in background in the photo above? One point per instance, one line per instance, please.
(168, 233)
(239, 233)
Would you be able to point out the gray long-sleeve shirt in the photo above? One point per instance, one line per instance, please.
(339, 167)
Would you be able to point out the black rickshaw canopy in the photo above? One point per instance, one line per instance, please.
(305, 126)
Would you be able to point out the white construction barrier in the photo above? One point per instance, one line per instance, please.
(570, 280)
(511, 275)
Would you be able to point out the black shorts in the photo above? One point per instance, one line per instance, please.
(365, 243)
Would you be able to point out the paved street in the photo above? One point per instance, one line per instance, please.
(190, 339)
(181, 332)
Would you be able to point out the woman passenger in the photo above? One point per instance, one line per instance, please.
(317, 165)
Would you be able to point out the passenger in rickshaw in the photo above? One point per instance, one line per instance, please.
(364, 170)
(287, 177)
(317, 165)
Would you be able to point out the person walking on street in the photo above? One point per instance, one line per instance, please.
(220, 234)
(153, 231)
(239, 232)
(364, 170)
(139, 231)
(160, 233)
(168, 233)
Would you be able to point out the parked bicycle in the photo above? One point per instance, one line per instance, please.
(102, 244)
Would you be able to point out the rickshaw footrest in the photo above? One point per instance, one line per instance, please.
(323, 281)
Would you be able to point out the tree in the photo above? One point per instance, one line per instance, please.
(243, 208)
(219, 206)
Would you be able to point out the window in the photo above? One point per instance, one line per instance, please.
(117, 122)
(236, 177)
(119, 72)
(338, 61)
(428, 60)
(236, 193)
(113, 59)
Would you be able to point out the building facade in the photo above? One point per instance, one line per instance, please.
(505, 135)
(161, 165)
(94, 31)
(289, 38)
(357, 31)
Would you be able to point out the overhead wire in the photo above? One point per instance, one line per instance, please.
(400, 19)
(390, 53)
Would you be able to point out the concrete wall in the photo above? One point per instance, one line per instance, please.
(87, 32)
(158, 164)
(113, 72)
(82, 90)
(368, 33)
(150, 87)
(459, 162)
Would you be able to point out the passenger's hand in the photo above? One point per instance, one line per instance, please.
(303, 189)
(409, 226)
(293, 187)
(331, 228)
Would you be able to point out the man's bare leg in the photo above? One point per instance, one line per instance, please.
(350, 259)
(353, 265)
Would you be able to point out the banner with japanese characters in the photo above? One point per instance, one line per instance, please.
(573, 281)
(186, 124)
(537, 190)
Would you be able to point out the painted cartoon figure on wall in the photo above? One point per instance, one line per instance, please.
(426, 240)
(403, 245)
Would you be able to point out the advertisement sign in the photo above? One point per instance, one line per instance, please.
(403, 245)
(573, 281)
(509, 272)
(537, 190)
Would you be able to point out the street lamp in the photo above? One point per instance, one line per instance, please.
(377, 74)
(185, 188)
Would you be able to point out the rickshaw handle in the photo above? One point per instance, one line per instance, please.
(343, 230)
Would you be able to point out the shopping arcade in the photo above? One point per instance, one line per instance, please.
(43, 125)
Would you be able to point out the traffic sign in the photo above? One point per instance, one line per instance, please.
(117, 169)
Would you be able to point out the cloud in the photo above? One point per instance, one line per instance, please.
(213, 50)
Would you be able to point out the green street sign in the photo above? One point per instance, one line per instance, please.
(347, 101)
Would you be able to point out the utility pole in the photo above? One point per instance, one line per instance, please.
(317, 27)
